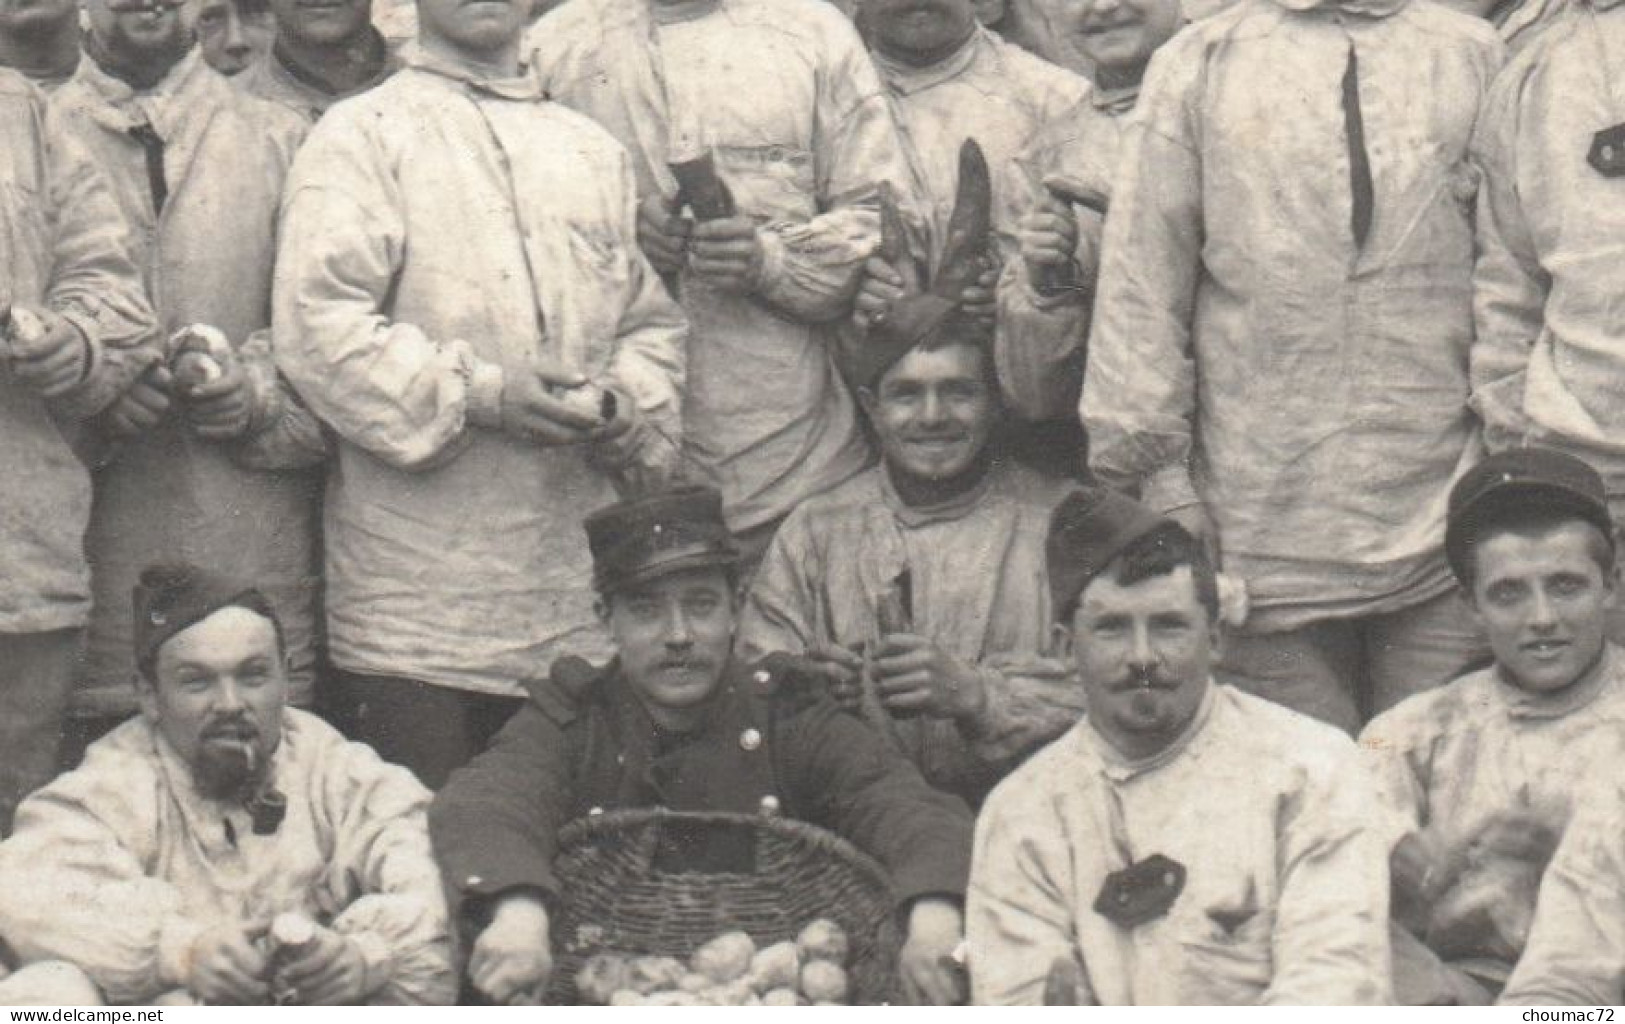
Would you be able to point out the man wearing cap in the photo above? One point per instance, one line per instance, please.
(1278, 351)
(1479, 777)
(461, 297)
(1548, 357)
(75, 330)
(40, 40)
(676, 720)
(1186, 842)
(782, 98)
(966, 682)
(203, 470)
(160, 863)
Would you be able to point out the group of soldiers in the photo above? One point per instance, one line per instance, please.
(1001, 432)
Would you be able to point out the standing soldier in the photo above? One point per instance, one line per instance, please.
(461, 297)
(1279, 350)
(78, 332)
(783, 99)
(321, 54)
(40, 39)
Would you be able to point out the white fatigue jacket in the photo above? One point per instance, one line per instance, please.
(439, 233)
(1040, 341)
(1549, 360)
(1286, 893)
(120, 865)
(1576, 949)
(988, 90)
(784, 96)
(207, 258)
(1245, 350)
(978, 589)
(63, 245)
(1453, 762)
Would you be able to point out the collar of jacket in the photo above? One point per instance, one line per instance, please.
(527, 87)
(907, 79)
(184, 93)
(1115, 101)
(672, 12)
(1523, 704)
(1360, 8)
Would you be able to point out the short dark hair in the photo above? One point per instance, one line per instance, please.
(1533, 519)
(1158, 553)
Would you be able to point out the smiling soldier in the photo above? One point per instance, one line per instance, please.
(1186, 842)
(1480, 777)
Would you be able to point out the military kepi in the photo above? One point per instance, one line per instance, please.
(635, 541)
(1087, 530)
(1518, 479)
(176, 596)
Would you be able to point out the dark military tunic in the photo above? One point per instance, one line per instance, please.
(584, 742)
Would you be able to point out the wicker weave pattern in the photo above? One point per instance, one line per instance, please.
(615, 900)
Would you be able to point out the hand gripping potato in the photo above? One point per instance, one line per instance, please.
(724, 958)
(197, 355)
(20, 330)
(822, 981)
(589, 399)
(823, 939)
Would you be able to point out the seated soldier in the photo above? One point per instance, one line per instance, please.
(1186, 842)
(931, 564)
(678, 721)
(160, 863)
(1480, 775)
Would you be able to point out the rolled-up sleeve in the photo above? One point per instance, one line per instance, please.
(384, 386)
(1139, 390)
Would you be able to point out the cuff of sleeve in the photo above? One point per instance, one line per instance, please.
(1169, 488)
(86, 326)
(978, 725)
(375, 953)
(771, 268)
(176, 938)
(485, 381)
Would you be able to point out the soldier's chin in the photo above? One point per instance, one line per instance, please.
(225, 768)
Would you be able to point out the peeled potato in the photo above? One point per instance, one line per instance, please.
(823, 982)
(781, 997)
(626, 997)
(603, 975)
(652, 973)
(823, 939)
(692, 982)
(724, 958)
(671, 998)
(777, 966)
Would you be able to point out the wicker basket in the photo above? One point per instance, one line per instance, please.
(617, 899)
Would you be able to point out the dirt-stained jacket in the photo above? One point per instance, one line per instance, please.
(65, 246)
(240, 506)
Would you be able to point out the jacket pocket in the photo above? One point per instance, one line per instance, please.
(1227, 959)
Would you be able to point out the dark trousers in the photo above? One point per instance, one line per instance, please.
(36, 677)
(433, 730)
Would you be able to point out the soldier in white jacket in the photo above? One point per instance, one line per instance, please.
(158, 866)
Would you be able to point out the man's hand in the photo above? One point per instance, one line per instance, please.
(328, 971)
(143, 406)
(882, 285)
(913, 674)
(533, 413)
(841, 670)
(223, 408)
(978, 300)
(726, 253)
(1047, 236)
(51, 359)
(931, 975)
(512, 959)
(228, 969)
(663, 235)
